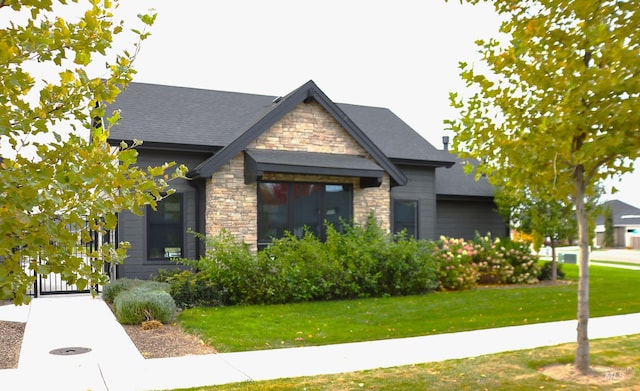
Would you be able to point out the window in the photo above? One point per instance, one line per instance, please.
(165, 232)
(290, 207)
(405, 216)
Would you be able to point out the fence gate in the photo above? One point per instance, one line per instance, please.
(53, 284)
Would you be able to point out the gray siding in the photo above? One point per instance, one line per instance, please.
(132, 228)
(463, 218)
(421, 188)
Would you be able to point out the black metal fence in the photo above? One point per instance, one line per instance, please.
(53, 283)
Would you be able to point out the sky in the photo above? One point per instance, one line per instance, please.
(402, 55)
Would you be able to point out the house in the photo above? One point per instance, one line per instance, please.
(626, 225)
(262, 165)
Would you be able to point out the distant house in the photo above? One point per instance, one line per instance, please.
(263, 165)
(626, 225)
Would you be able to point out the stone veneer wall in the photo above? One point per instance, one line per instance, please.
(233, 205)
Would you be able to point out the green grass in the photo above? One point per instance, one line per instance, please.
(242, 328)
(505, 371)
(618, 263)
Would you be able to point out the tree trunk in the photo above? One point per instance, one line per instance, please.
(582, 351)
(554, 262)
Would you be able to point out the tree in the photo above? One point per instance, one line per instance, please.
(608, 227)
(63, 180)
(555, 111)
(539, 217)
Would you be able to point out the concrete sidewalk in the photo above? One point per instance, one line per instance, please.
(605, 255)
(115, 364)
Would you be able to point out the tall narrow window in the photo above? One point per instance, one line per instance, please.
(165, 232)
(294, 207)
(405, 216)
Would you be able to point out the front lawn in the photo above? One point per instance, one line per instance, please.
(506, 371)
(618, 263)
(243, 328)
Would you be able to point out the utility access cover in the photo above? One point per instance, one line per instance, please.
(69, 351)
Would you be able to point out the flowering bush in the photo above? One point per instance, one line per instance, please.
(505, 261)
(456, 267)
(493, 265)
(525, 264)
(461, 264)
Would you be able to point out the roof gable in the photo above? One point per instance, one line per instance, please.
(279, 108)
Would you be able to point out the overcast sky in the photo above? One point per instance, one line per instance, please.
(402, 55)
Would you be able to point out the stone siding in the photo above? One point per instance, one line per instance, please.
(308, 128)
(233, 205)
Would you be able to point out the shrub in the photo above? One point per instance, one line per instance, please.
(296, 270)
(353, 262)
(524, 263)
(409, 268)
(165, 275)
(139, 304)
(492, 266)
(360, 252)
(546, 269)
(504, 261)
(229, 264)
(456, 267)
(461, 265)
(190, 289)
(357, 261)
(113, 288)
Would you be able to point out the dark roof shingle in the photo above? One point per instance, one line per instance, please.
(189, 116)
(180, 115)
(453, 181)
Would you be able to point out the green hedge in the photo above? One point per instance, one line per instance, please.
(355, 261)
(190, 289)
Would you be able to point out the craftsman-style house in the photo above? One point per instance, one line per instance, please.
(262, 165)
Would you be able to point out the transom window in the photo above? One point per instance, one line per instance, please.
(292, 206)
(165, 231)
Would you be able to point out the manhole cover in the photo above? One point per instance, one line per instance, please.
(69, 351)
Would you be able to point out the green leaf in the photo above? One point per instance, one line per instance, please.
(73, 177)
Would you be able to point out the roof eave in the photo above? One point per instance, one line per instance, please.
(464, 197)
(167, 146)
(422, 163)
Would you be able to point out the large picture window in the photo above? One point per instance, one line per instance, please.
(290, 207)
(165, 232)
(405, 216)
